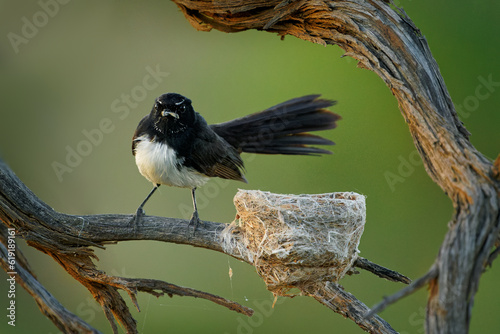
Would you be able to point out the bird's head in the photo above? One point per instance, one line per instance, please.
(172, 112)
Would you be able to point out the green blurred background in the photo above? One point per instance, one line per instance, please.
(67, 77)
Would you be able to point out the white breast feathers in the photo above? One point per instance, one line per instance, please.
(158, 163)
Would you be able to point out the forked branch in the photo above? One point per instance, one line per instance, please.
(69, 240)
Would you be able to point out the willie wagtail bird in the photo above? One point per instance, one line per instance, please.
(175, 146)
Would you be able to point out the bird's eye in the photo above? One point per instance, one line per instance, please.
(180, 105)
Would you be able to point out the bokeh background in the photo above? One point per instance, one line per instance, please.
(77, 69)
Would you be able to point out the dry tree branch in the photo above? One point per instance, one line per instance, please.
(385, 40)
(68, 239)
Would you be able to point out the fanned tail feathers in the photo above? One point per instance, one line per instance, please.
(282, 129)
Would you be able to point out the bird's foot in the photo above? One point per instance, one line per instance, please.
(195, 221)
(137, 218)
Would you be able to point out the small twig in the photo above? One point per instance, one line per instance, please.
(417, 284)
(380, 271)
(151, 286)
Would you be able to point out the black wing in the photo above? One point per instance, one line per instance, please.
(212, 155)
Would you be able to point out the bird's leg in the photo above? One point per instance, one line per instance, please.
(140, 211)
(194, 218)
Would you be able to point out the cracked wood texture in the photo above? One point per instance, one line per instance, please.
(385, 40)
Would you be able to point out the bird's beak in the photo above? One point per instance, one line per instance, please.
(169, 113)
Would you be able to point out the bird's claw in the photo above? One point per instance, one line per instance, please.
(137, 218)
(195, 220)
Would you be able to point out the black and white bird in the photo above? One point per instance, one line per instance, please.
(175, 146)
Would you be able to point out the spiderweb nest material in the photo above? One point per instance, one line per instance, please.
(296, 239)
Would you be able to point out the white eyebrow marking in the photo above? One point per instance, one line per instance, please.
(177, 103)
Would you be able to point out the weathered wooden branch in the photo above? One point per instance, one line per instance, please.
(385, 40)
(69, 238)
